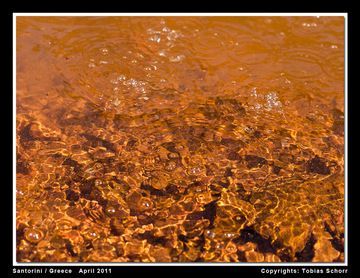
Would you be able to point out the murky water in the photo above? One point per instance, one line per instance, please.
(180, 139)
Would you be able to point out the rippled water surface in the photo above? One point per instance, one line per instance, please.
(180, 139)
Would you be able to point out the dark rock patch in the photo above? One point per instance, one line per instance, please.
(228, 172)
(152, 190)
(257, 134)
(241, 256)
(183, 238)
(317, 165)
(234, 156)
(336, 241)
(22, 167)
(130, 145)
(20, 231)
(210, 212)
(253, 161)
(72, 163)
(240, 189)
(193, 144)
(143, 219)
(25, 135)
(86, 187)
(209, 172)
(70, 248)
(231, 106)
(243, 194)
(210, 112)
(71, 195)
(154, 240)
(96, 141)
(248, 234)
(338, 122)
(121, 167)
(116, 227)
(223, 182)
(172, 189)
(276, 169)
(285, 255)
(338, 244)
(235, 145)
(308, 253)
(200, 243)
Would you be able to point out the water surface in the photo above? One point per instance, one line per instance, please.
(180, 139)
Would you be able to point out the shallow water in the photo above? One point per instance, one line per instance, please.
(180, 139)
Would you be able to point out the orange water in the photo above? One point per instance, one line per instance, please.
(180, 139)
